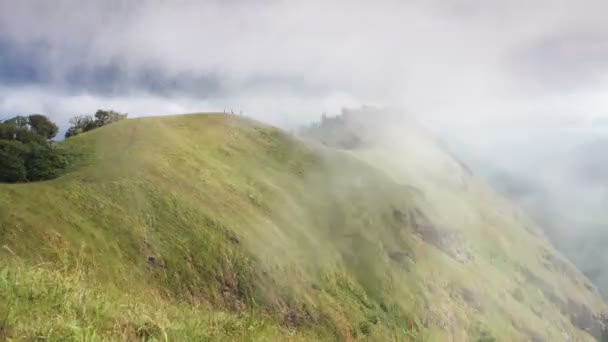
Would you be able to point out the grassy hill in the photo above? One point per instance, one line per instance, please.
(212, 226)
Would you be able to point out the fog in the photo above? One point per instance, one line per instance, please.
(516, 88)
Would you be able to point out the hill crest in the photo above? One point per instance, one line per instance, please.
(224, 216)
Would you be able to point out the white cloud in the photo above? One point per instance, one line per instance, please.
(460, 61)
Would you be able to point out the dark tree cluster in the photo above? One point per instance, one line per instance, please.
(85, 123)
(26, 150)
(346, 130)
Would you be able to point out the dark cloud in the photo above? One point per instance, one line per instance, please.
(23, 64)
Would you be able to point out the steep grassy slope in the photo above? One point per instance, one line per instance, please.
(515, 273)
(215, 227)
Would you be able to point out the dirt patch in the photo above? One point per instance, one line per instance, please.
(231, 293)
(144, 331)
(400, 216)
(449, 241)
(400, 256)
(403, 259)
(583, 318)
(579, 314)
(294, 314)
(472, 298)
(4, 332)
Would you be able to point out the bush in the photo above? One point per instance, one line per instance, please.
(12, 163)
(26, 153)
(32, 128)
(42, 126)
(80, 124)
(44, 162)
(85, 123)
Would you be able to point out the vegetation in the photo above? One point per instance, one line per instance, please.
(203, 227)
(26, 150)
(85, 123)
(55, 305)
(350, 129)
(340, 131)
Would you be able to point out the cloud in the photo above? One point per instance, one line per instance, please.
(460, 61)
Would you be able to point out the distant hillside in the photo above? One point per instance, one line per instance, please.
(561, 183)
(212, 226)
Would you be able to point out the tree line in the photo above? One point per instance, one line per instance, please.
(28, 152)
(84, 123)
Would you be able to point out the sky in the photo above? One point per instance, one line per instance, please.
(473, 64)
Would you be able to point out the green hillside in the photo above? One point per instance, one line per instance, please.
(212, 226)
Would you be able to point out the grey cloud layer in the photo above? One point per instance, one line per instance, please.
(466, 58)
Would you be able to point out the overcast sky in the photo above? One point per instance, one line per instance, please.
(286, 62)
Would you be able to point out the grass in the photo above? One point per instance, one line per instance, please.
(50, 305)
(215, 227)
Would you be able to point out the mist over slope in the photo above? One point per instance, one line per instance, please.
(218, 227)
(430, 164)
(558, 174)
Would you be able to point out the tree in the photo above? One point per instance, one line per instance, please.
(85, 123)
(10, 129)
(72, 131)
(44, 162)
(27, 136)
(80, 124)
(105, 117)
(7, 130)
(42, 126)
(12, 164)
(31, 128)
(19, 121)
(26, 153)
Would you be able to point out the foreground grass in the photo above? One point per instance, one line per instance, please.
(49, 305)
(41, 303)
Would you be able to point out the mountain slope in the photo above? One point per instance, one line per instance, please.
(565, 192)
(217, 227)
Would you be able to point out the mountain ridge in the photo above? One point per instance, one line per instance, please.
(258, 235)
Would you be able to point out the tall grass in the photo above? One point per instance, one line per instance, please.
(40, 303)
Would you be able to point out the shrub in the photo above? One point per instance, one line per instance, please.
(44, 162)
(31, 128)
(42, 126)
(80, 124)
(85, 123)
(26, 153)
(12, 163)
